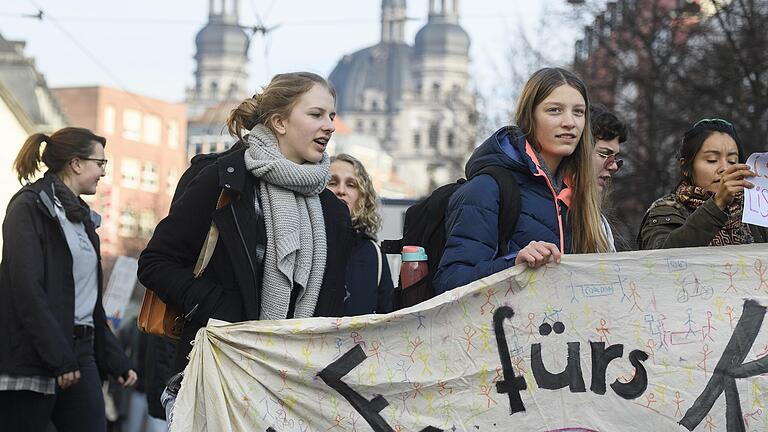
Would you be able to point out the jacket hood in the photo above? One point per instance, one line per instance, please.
(507, 148)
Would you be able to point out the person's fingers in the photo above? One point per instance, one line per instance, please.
(68, 379)
(737, 167)
(554, 251)
(537, 257)
(132, 378)
(121, 381)
(738, 174)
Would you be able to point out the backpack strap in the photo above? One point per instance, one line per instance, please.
(509, 203)
(378, 261)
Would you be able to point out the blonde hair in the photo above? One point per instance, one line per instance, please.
(276, 99)
(587, 234)
(364, 214)
(60, 148)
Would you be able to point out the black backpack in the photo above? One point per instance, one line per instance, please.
(424, 226)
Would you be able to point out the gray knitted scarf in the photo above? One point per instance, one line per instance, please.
(296, 243)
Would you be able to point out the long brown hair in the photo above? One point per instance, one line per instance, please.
(277, 98)
(364, 214)
(60, 148)
(587, 235)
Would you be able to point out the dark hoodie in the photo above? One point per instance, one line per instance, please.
(472, 216)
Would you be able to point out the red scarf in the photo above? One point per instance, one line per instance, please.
(734, 232)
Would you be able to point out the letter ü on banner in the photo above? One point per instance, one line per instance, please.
(673, 340)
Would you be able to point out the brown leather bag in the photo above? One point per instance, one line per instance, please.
(156, 317)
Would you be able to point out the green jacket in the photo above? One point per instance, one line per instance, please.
(670, 224)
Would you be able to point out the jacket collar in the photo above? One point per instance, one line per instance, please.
(46, 192)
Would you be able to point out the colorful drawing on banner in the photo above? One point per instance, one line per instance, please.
(756, 199)
(683, 347)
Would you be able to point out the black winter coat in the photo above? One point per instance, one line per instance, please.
(229, 289)
(365, 293)
(37, 292)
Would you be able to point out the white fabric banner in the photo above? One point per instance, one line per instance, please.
(664, 340)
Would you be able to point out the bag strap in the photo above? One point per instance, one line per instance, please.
(510, 203)
(206, 252)
(378, 261)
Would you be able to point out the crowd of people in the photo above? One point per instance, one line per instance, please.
(299, 237)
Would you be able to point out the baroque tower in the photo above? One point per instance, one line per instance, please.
(221, 57)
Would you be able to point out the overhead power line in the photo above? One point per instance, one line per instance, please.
(41, 15)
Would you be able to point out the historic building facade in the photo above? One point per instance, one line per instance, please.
(220, 78)
(415, 100)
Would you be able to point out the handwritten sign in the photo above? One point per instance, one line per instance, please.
(663, 340)
(756, 199)
(119, 288)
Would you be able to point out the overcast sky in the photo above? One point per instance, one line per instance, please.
(147, 46)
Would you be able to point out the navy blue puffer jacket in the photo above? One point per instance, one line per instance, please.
(471, 246)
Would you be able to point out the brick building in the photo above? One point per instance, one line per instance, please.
(146, 149)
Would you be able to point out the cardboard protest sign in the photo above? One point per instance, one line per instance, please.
(659, 340)
(756, 199)
(121, 282)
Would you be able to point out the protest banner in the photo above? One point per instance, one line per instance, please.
(756, 199)
(661, 340)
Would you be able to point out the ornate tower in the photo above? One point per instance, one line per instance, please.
(222, 58)
(393, 16)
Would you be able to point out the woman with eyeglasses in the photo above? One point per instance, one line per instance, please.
(609, 132)
(56, 347)
(705, 208)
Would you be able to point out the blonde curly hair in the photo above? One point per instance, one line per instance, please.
(364, 214)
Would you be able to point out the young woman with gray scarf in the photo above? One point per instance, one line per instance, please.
(283, 240)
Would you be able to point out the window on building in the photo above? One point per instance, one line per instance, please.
(132, 125)
(198, 148)
(173, 134)
(152, 129)
(434, 135)
(450, 140)
(374, 125)
(359, 126)
(416, 140)
(147, 223)
(130, 172)
(109, 119)
(128, 223)
(149, 177)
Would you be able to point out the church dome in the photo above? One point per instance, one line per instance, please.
(222, 38)
(383, 68)
(442, 38)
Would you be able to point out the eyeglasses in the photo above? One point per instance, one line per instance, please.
(712, 120)
(102, 163)
(608, 160)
